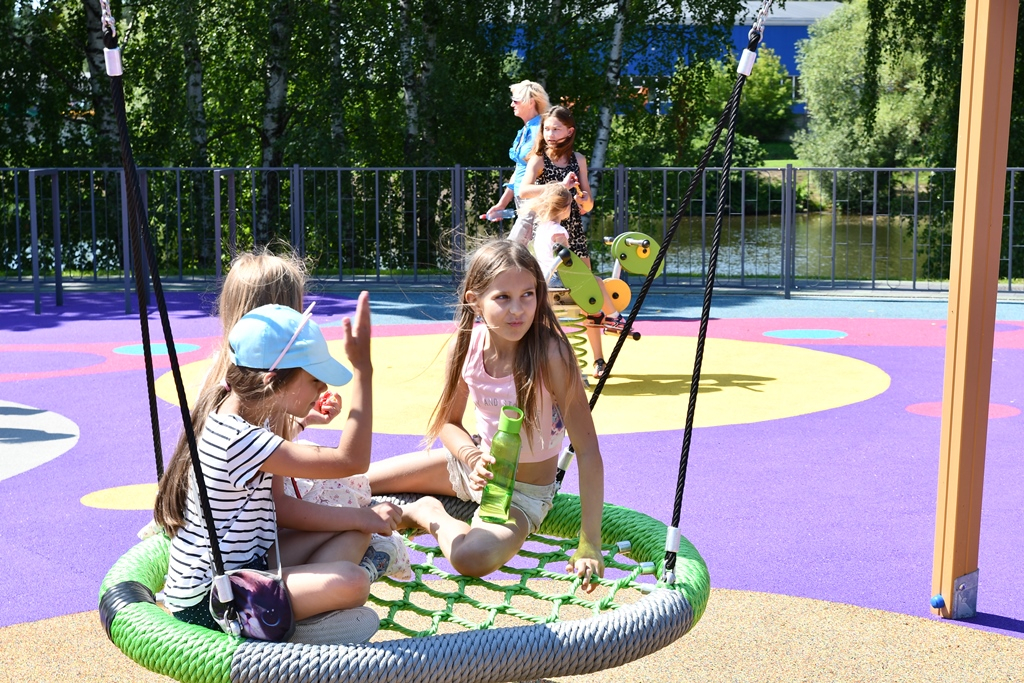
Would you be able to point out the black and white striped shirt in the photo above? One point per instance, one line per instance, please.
(231, 452)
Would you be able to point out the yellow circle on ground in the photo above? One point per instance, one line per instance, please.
(741, 382)
(134, 497)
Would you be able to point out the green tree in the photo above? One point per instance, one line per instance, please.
(329, 82)
(839, 131)
(766, 107)
(47, 116)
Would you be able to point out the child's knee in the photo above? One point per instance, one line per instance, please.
(471, 559)
(350, 585)
(473, 564)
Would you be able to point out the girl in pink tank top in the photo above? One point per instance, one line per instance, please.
(517, 355)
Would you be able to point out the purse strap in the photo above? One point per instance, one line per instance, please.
(221, 584)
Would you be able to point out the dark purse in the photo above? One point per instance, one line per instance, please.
(253, 603)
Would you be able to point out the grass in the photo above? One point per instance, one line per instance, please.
(780, 154)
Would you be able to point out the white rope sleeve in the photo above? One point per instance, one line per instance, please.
(113, 61)
(746, 63)
(672, 540)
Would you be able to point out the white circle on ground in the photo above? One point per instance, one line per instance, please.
(32, 436)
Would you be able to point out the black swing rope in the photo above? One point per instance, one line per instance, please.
(138, 224)
(728, 117)
(140, 239)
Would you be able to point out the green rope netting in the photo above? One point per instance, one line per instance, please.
(541, 602)
(506, 595)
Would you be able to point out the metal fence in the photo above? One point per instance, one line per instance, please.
(788, 229)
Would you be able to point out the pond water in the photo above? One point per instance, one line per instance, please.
(850, 248)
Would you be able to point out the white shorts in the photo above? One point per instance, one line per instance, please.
(532, 500)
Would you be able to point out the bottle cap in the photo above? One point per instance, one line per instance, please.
(511, 420)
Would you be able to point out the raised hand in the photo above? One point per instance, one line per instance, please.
(357, 334)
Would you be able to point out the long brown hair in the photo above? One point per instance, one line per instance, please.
(531, 361)
(565, 147)
(254, 395)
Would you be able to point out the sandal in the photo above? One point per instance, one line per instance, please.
(614, 325)
(599, 368)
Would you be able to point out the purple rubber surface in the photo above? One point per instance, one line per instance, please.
(837, 505)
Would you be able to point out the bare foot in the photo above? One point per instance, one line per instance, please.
(422, 514)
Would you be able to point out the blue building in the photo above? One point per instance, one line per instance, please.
(783, 28)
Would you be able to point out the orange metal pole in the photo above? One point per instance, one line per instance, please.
(990, 32)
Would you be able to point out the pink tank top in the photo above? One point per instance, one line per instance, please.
(490, 394)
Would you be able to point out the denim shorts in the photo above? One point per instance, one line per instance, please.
(532, 500)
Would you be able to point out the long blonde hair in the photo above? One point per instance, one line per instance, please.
(530, 367)
(254, 279)
(553, 200)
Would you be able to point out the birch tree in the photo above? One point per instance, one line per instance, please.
(194, 104)
(275, 102)
(102, 103)
(611, 89)
(418, 25)
(45, 96)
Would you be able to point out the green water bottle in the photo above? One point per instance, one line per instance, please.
(497, 495)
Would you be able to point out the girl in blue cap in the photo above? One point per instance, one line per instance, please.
(279, 367)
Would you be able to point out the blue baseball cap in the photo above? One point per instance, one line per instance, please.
(275, 336)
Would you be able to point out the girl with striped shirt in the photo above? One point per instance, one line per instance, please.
(279, 368)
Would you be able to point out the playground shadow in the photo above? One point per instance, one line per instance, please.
(678, 385)
(997, 621)
(19, 411)
(17, 437)
(17, 310)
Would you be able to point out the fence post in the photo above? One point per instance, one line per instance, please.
(57, 269)
(786, 235)
(341, 253)
(874, 228)
(177, 191)
(621, 201)
(33, 219)
(413, 225)
(216, 223)
(792, 227)
(17, 224)
(144, 191)
(743, 227)
(835, 197)
(458, 228)
(298, 234)
(376, 222)
(1009, 237)
(232, 215)
(92, 233)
